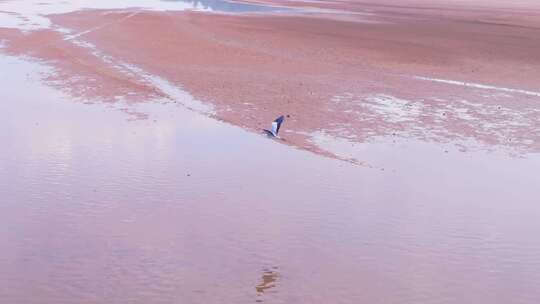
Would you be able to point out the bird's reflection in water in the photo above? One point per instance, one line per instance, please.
(269, 278)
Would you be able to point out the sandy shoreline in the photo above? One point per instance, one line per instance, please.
(120, 182)
(180, 207)
(320, 71)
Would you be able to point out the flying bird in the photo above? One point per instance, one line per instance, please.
(276, 124)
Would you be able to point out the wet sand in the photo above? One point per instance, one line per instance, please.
(100, 208)
(133, 169)
(321, 71)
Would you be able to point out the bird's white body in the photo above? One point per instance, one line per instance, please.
(274, 128)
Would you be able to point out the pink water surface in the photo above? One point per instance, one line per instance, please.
(103, 206)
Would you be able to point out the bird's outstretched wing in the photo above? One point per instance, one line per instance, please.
(277, 124)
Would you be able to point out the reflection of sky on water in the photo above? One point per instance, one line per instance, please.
(228, 6)
(99, 208)
(32, 14)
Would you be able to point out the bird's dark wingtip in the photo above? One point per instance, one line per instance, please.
(268, 133)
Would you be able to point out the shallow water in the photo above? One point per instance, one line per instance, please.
(32, 14)
(230, 6)
(101, 207)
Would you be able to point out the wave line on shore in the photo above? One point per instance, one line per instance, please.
(478, 86)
